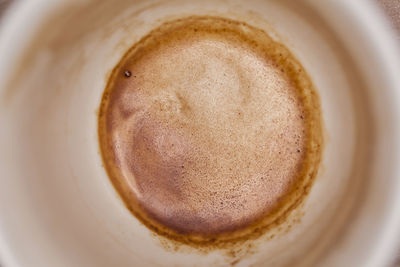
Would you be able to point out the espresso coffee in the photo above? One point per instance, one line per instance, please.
(210, 130)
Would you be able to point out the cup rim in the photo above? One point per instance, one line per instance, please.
(386, 47)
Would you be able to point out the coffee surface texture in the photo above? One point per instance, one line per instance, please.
(210, 130)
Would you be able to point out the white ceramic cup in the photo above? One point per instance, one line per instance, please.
(57, 205)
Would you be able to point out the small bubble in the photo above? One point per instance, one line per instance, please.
(127, 73)
(298, 150)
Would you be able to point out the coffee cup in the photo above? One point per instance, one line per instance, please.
(58, 205)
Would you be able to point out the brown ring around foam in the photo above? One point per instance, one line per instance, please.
(147, 122)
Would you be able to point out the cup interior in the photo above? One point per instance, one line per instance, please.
(62, 210)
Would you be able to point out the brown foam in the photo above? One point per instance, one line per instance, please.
(207, 127)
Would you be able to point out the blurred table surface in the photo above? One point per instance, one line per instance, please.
(391, 9)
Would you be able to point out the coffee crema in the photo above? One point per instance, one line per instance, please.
(210, 130)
